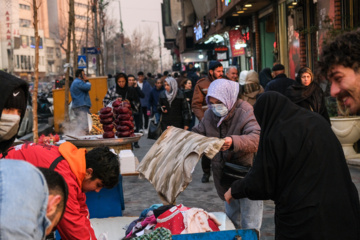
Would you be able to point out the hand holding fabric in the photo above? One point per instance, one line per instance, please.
(227, 144)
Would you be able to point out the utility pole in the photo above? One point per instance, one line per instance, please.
(122, 37)
(161, 67)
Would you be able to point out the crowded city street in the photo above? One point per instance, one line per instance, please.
(180, 120)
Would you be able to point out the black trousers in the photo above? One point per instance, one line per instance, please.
(206, 164)
(144, 123)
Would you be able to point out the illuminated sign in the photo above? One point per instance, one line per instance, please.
(227, 2)
(198, 31)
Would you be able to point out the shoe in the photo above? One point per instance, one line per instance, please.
(141, 131)
(205, 178)
(146, 131)
(136, 145)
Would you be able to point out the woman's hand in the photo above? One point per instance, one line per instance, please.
(227, 144)
(186, 127)
(163, 109)
(228, 196)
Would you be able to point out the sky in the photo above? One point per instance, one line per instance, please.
(133, 12)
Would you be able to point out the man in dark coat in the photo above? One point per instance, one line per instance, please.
(280, 82)
(300, 165)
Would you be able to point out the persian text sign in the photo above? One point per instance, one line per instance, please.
(235, 39)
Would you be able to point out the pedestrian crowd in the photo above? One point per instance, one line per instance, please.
(276, 129)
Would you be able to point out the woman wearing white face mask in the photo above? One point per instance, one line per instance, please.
(13, 96)
(233, 119)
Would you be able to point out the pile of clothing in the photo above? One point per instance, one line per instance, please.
(169, 220)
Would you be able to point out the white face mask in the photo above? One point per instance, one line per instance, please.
(9, 125)
(219, 110)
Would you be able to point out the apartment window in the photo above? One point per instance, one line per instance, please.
(17, 61)
(50, 53)
(25, 23)
(81, 17)
(77, 4)
(24, 6)
(166, 13)
(79, 29)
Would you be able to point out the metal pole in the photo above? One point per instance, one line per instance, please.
(96, 37)
(160, 48)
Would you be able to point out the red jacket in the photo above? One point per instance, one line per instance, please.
(75, 223)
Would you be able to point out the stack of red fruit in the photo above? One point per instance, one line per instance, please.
(123, 119)
(106, 119)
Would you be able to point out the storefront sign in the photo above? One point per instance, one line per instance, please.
(198, 31)
(8, 29)
(222, 53)
(237, 43)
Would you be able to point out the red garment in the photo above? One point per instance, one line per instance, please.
(75, 223)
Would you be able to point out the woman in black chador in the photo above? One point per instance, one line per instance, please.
(300, 165)
(307, 93)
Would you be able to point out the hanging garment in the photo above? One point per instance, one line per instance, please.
(169, 163)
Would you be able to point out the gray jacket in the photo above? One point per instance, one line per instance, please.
(242, 127)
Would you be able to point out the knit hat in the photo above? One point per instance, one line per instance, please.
(278, 67)
(17, 100)
(214, 64)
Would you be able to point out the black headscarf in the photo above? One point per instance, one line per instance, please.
(300, 165)
(9, 83)
(119, 90)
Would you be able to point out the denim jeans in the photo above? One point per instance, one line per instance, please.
(245, 213)
(23, 201)
(157, 117)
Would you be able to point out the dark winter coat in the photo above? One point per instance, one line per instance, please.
(178, 114)
(241, 126)
(279, 84)
(154, 99)
(300, 165)
(310, 97)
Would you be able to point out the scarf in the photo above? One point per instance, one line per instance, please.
(225, 91)
(173, 89)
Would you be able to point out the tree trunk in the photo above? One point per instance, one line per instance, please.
(36, 73)
(68, 50)
(75, 55)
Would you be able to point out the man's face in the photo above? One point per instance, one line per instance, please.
(217, 73)
(131, 81)
(233, 74)
(55, 219)
(158, 84)
(141, 78)
(345, 86)
(89, 185)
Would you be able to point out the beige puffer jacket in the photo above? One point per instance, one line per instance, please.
(251, 88)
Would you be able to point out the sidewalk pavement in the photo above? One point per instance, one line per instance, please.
(139, 194)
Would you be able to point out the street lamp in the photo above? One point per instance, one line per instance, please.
(122, 37)
(159, 41)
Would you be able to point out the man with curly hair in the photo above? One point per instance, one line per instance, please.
(340, 64)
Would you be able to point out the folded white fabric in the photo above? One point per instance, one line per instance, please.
(169, 163)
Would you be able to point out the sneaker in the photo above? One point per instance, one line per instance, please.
(146, 131)
(141, 131)
(136, 145)
(205, 178)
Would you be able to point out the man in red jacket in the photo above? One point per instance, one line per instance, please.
(83, 172)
